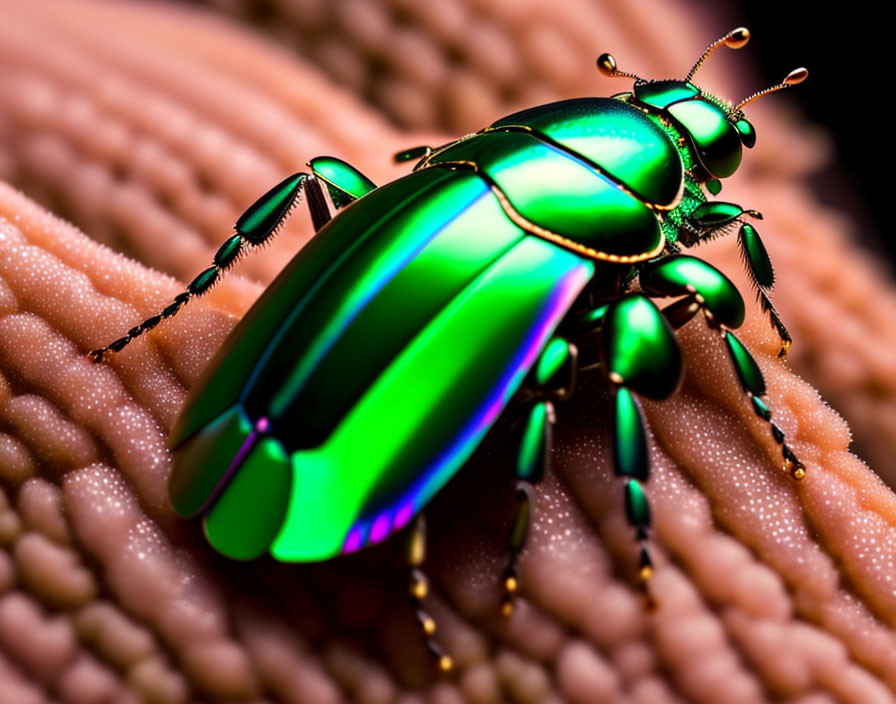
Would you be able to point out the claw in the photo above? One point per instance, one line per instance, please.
(785, 348)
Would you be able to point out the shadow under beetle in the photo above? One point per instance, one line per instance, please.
(368, 373)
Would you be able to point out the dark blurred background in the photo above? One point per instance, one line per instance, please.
(846, 93)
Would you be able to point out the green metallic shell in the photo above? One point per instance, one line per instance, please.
(247, 516)
(224, 379)
(427, 397)
(355, 427)
(559, 197)
(423, 256)
(716, 141)
(208, 455)
(614, 136)
(661, 94)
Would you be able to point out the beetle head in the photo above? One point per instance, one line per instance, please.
(716, 131)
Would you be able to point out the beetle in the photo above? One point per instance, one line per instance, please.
(505, 263)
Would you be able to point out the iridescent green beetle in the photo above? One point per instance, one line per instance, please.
(370, 370)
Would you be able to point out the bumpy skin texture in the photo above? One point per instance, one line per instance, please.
(154, 128)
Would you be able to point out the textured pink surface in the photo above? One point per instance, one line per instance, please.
(767, 590)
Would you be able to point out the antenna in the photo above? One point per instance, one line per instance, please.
(606, 64)
(735, 39)
(798, 75)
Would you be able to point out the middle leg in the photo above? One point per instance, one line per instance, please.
(702, 287)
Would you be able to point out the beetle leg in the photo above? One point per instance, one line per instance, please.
(689, 234)
(532, 461)
(254, 227)
(752, 382)
(713, 219)
(769, 309)
(554, 374)
(418, 588)
(755, 257)
(586, 329)
(317, 204)
(631, 460)
(762, 275)
(510, 578)
(552, 377)
(641, 355)
(420, 152)
(344, 182)
(682, 310)
(748, 372)
(704, 286)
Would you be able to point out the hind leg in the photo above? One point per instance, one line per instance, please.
(257, 226)
(418, 589)
(552, 379)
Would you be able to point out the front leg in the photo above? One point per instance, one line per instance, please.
(762, 275)
(716, 218)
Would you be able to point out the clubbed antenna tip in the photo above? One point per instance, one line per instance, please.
(735, 39)
(798, 75)
(606, 64)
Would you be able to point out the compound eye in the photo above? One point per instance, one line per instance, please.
(717, 142)
(747, 133)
